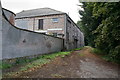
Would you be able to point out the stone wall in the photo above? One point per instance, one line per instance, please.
(19, 43)
(74, 36)
(0, 31)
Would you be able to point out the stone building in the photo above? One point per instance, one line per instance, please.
(43, 20)
(51, 22)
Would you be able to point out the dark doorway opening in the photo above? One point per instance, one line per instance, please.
(75, 43)
(40, 24)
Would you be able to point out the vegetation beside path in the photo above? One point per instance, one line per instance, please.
(29, 65)
(74, 63)
(100, 23)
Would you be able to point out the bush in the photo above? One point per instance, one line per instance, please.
(97, 51)
(115, 54)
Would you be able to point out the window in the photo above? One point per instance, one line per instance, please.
(40, 24)
(55, 19)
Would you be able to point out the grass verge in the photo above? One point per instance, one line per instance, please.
(77, 49)
(41, 60)
(31, 64)
(104, 56)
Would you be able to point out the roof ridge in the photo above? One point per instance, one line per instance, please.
(55, 10)
(39, 8)
(38, 12)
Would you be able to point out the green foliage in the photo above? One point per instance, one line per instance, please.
(36, 61)
(97, 51)
(77, 49)
(5, 65)
(108, 38)
(100, 23)
(88, 23)
(44, 59)
(33, 63)
(52, 56)
(106, 57)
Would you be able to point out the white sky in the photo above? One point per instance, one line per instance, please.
(68, 6)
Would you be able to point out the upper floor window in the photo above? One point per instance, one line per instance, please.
(40, 24)
(55, 19)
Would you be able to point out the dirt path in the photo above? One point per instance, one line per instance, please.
(79, 64)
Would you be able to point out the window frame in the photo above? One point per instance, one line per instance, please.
(40, 26)
(55, 20)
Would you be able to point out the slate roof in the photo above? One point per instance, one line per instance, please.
(37, 12)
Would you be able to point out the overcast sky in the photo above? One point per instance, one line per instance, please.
(68, 6)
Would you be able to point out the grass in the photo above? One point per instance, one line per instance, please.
(110, 59)
(44, 59)
(52, 56)
(33, 63)
(104, 56)
(96, 51)
(5, 65)
(77, 49)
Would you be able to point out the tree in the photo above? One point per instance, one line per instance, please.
(108, 38)
(100, 23)
(89, 23)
